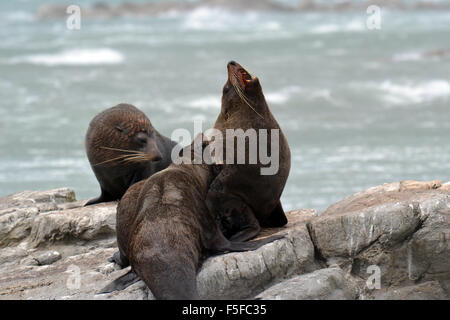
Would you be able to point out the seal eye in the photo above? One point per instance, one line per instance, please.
(141, 138)
(226, 88)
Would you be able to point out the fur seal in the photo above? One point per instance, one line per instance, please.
(123, 148)
(165, 230)
(243, 198)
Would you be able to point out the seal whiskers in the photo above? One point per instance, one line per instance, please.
(133, 155)
(241, 94)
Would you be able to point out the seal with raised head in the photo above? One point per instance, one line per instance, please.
(123, 148)
(165, 230)
(241, 196)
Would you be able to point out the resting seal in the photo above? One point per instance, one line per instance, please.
(243, 198)
(123, 148)
(165, 230)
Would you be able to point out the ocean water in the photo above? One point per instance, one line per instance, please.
(359, 107)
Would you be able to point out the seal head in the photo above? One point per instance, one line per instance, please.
(123, 148)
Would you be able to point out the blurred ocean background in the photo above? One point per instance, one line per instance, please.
(359, 107)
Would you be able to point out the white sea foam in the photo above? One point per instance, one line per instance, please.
(415, 93)
(351, 26)
(326, 28)
(207, 19)
(281, 96)
(408, 56)
(218, 19)
(285, 94)
(76, 57)
(207, 102)
(18, 16)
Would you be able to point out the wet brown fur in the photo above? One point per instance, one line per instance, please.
(165, 230)
(244, 199)
(123, 148)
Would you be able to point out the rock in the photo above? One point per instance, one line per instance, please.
(396, 234)
(219, 277)
(445, 186)
(29, 261)
(137, 291)
(48, 258)
(239, 275)
(429, 247)
(401, 228)
(10, 254)
(323, 284)
(18, 211)
(85, 223)
(431, 290)
(108, 268)
(419, 185)
(36, 198)
(345, 234)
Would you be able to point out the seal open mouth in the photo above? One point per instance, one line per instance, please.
(240, 79)
(235, 70)
(244, 77)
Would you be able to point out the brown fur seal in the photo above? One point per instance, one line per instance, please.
(240, 195)
(165, 230)
(123, 148)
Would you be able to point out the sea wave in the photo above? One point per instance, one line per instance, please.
(204, 103)
(17, 16)
(351, 26)
(218, 19)
(281, 96)
(406, 92)
(415, 93)
(309, 94)
(76, 57)
(407, 56)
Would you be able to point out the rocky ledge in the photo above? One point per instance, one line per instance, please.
(388, 242)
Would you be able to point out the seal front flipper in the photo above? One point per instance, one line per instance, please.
(104, 197)
(235, 217)
(277, 218)
(237, 246)
(121, 283)
(245, 224)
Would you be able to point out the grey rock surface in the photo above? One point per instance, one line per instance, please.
(324, 284)
(51, 247)
(402, 228)
(83, 223)
(48, 258)
(431, 290)
(18, 211)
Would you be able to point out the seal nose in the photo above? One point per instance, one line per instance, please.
(232, 63)
(157, 157)
(153, 150)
